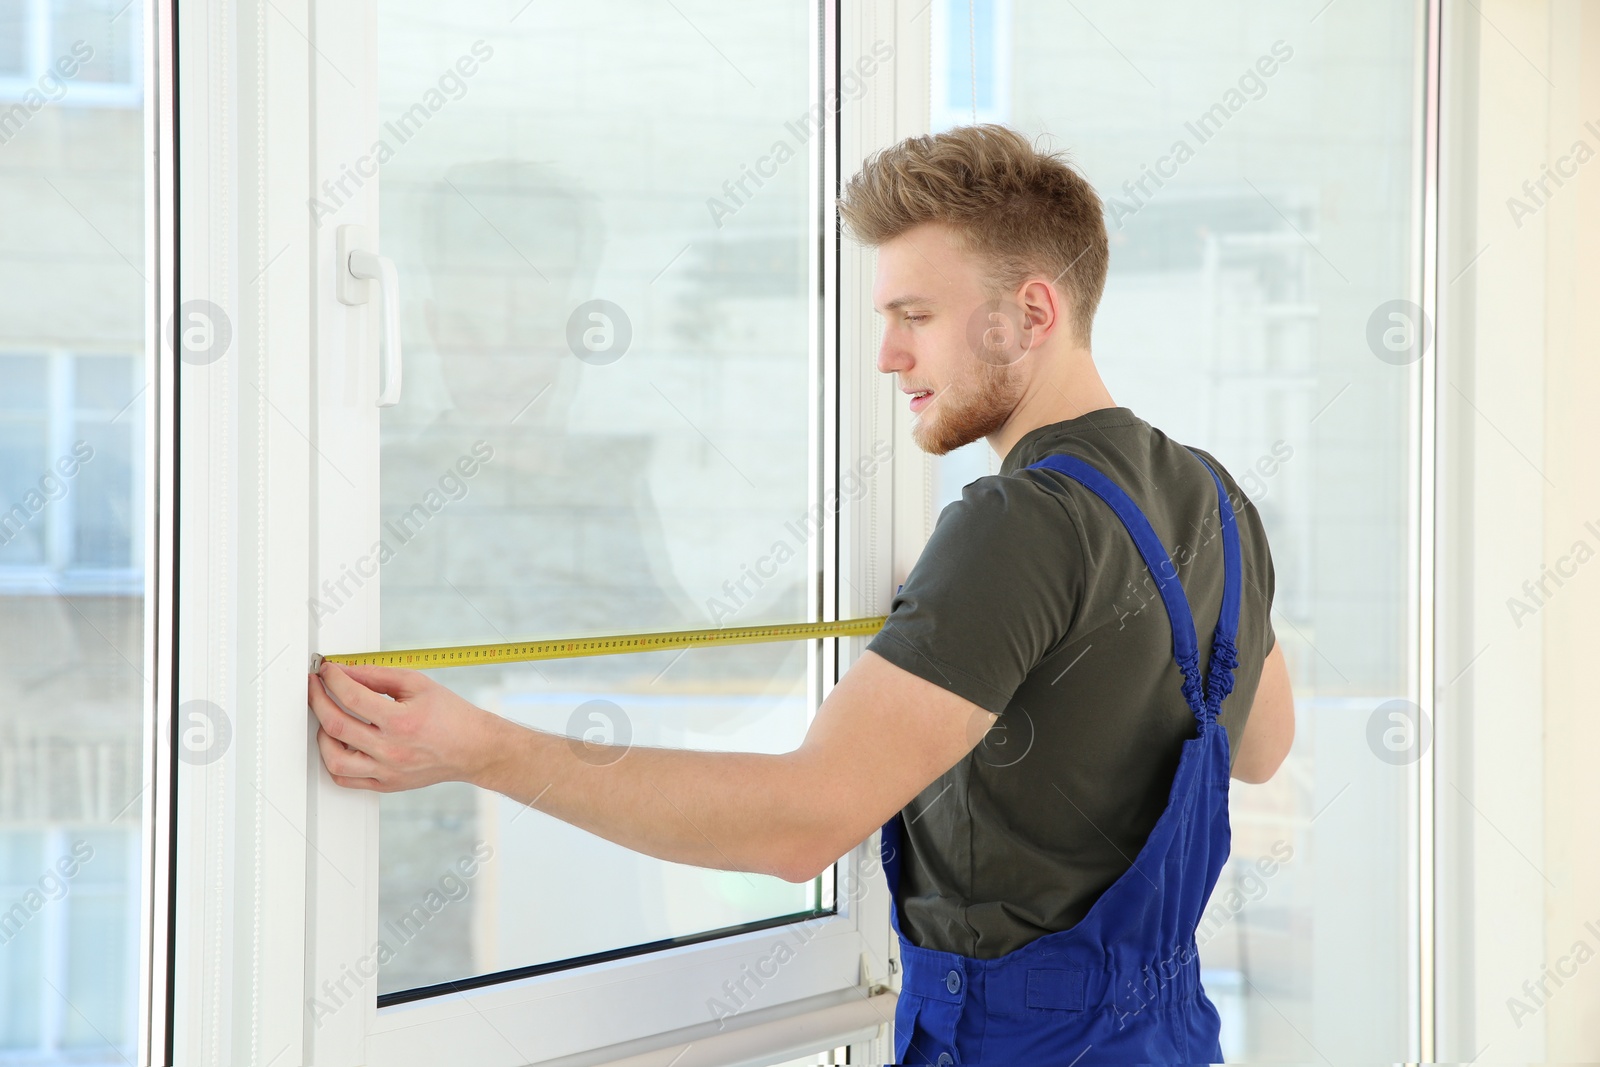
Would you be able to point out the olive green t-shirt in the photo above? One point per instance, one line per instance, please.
(1031, 601)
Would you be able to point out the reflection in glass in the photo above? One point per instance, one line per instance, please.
(72, 438)
(606, 428)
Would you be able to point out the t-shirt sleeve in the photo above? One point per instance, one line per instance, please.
(1272, 635)
(1268, 581)
(1259, 571)
(994, 590)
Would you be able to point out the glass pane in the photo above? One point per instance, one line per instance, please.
(101, 953)
(97, 33)
(104, 520)
(27, 380)
(14, 23)
(105, 384)
(21, 939)
(1257, 175)
(27, 489)
(72, 196)
(963, 84)
(605, 429)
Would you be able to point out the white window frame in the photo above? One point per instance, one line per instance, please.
(569, 1012)
(276, 876)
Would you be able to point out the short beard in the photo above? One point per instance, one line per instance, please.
(976, 408)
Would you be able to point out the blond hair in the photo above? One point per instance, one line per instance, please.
(1023, 211)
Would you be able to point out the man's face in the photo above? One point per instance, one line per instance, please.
(944, 334)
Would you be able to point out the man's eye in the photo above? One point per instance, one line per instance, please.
(916, 318)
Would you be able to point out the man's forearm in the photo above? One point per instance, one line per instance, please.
(726, 810)
(882, 736)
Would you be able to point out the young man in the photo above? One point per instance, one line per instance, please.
(1105, 599)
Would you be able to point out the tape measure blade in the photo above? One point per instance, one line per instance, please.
(605, 645)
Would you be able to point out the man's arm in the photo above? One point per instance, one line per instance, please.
(1269, 729)
(881, 736)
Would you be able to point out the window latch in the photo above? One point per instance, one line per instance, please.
(357, 266)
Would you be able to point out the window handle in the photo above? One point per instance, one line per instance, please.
(357, 265)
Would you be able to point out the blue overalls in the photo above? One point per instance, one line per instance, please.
(1123, 985)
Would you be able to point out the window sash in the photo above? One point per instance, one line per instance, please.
(572, 1011)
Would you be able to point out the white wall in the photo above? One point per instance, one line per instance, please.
(1518, 877)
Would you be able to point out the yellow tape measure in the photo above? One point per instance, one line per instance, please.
(422, 659)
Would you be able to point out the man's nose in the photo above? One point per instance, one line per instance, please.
(892, 355)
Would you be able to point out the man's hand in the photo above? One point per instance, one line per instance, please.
(426, 734)
(881, 736)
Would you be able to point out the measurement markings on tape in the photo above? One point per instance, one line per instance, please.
(609, 645)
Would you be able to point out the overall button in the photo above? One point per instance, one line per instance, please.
(952, 981)
(944, 1057)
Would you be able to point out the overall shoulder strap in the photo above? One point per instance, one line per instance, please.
(1224, 654)
(1204, 698)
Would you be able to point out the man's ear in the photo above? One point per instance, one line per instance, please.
(1044, 310)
